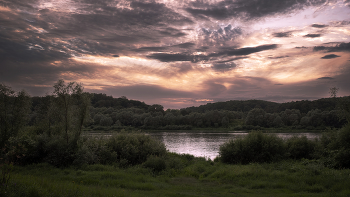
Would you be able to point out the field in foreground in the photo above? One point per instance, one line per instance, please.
(188, 176)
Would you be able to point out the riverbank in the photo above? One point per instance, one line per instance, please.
(106, 129)
(188, 176)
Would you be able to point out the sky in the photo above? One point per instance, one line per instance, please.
(178, 53)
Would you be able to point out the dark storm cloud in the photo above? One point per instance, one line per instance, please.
(278, 57)
(96, 28)
(320, 48)
(247, 50)
(167, 57)
(172, 57)
(19, 51)
(330, 56)
(312, 35)
(19, 3)
(319, 26)
(43, 73)
(185, 45)
(248, 9)
(342, 47)
(146, 49)
(283, 34)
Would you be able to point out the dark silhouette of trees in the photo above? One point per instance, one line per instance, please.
(14, 110)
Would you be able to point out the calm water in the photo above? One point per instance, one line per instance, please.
(206, 144)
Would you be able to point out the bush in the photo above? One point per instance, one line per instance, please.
(155, 163)
(135, 148)
(337, 148)
(255, 147)
(300, 147)
(94, 151)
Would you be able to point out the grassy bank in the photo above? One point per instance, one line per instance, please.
(183, 176)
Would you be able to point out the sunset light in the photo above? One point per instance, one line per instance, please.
(178, 54)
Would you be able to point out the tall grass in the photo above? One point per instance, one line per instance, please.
(193, 177)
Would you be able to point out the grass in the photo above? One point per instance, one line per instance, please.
(183, 176)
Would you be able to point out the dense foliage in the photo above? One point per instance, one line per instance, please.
(233, 115)
(332, 150)
(52, 131)
(256, 147)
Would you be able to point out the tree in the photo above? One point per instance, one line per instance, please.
(14, 109)
(256, 117)
(73, 105)
(333, 92)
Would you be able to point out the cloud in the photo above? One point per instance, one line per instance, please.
(283, 34)
(145, 92)
(330, 56)
(319, 26)
(221, 35)
(169, 57)
(312, 35)
(327, 78)
(213, 88)
(224, 67)
(342, 47)
(172, 57)
(248, 50)
(247, 9)
(185, 45)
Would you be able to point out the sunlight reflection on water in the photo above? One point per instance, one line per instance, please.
(203, 144)
(206, 144)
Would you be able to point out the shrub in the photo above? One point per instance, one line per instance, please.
(300, 147)
(255, 147)
(337, 148)
(94, 151)
(155, 163)
(135, 147)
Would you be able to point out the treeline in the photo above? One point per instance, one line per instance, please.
(241, 115)
(108, 113)
(304, 106)
(51, 131)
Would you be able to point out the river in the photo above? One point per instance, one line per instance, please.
(204, 144)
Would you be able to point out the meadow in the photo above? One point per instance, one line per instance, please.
(183, 176)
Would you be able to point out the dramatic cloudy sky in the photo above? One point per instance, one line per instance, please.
(178, 53)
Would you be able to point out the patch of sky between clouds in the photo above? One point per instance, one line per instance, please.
(61, 5)
(337, 12)
(121, 61)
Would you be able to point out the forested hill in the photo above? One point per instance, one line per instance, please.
(270, 107)
(102, 100)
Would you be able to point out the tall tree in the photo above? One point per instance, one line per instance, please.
(73, 105)
(14, 109)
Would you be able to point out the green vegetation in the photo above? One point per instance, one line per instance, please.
(114, 114)
(182, 175)
(43, 152)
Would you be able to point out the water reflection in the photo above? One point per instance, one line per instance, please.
(207, 144)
